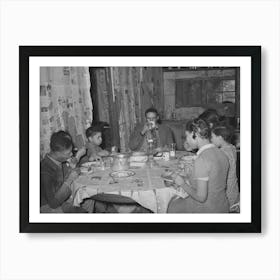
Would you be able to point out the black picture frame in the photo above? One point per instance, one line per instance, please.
(254, 52)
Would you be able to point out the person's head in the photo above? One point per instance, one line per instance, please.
(61, 146)
(211, 116)
(221, 134)
(63, 133)
(94, 135)
(152, 116)
(197, 132)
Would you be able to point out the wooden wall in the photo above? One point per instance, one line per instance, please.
(192, 111)
(123, 95)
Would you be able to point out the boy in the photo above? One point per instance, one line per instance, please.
(221, 138)
(94, 151)
(57, 176)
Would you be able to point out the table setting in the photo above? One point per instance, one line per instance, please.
(132, 175)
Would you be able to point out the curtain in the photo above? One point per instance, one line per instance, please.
(124, 93)
(65, 104)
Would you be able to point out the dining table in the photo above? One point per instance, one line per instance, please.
(145, 185)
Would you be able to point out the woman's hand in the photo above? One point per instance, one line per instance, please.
(178, 180)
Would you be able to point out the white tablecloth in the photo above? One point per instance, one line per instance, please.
(146, 187)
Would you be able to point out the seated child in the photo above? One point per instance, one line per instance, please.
(56, 176)
(221, 136)
(74, 159)
(94, 151)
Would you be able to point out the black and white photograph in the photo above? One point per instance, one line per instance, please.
(144, 134)
(139, 139)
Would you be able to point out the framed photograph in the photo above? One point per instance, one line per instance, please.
(140, 139)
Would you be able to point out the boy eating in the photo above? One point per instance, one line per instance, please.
(56, 177)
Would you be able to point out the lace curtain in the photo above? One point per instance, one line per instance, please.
(65, 103)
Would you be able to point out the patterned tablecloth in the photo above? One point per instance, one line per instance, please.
(146, 187)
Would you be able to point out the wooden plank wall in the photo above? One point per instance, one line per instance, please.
(196, 105)
(124, 93)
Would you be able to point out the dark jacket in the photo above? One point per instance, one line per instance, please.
(136, 139)
(53, 191)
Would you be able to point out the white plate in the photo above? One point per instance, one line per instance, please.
(188, 158)
(86, 170)
(122, 174)
(136, 154)
(91, 163)
(87, 164)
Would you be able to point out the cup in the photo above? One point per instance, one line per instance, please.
(172, 151)
(108, 162)
(114, 149)
(151, 124)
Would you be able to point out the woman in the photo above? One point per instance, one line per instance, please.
(211, 116)
(207, 190)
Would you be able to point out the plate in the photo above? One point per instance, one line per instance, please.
(136, 154)
(87, 164)
(187, 158)
(122, 174)
(86, 170)
(91, 163)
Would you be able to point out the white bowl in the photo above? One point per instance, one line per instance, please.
(86, 170)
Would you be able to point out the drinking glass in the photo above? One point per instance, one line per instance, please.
(172, 152)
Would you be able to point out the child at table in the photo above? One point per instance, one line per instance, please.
(77, 154)
(221, 136)
(94, 151)
(56, 176)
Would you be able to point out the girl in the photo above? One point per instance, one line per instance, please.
(207, 190)
(221, 137)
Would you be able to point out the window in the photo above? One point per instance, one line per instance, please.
(206, 88)
(219, 91)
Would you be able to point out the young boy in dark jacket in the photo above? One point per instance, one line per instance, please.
(56, 176)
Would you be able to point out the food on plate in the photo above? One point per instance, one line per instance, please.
(122, 174)
(87, 167)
